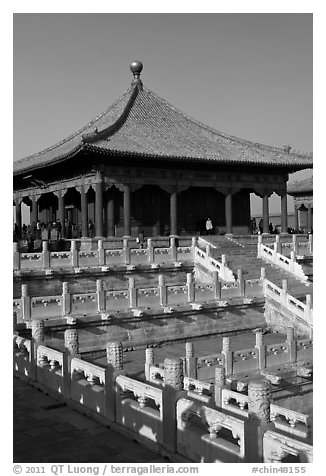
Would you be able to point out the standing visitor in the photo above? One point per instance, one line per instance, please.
(209, 227)
(261, 225)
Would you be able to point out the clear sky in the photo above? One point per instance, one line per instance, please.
(249, 75)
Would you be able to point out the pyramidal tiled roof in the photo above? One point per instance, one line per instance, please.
(142, 124)
(301, 186)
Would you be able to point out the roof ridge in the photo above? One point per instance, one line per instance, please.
(224, 134)
(115, 126)
(75, 134)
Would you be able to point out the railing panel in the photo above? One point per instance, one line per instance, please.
(50, 368)
(31, 260)
(46, 306)
(139, 408)
(88, 385)
(148, 297)
(208, 435)
(117, 300)
(84, 303)
(177, 294)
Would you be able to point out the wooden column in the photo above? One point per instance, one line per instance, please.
(296, 217)
(34, 210)
(309, 221)
(265, 214)
(228, 213)
(18, 214)
(126, 210)
(99, 207)
(284, 213)
(84, 211)
(110, 215)
(61, 212)
(173, 213)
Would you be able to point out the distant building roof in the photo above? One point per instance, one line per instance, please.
(300, 186)
(142, 124)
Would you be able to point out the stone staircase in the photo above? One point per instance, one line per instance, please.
(241, 253)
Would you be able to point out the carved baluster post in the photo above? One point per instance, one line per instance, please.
(26, 303)
(284, 290)
(37, 338)
(241, 283)
(38, 330)
(219, 384)
(173, 249)
(162, 290)
(228, 356)
(45, 255)
(310, 244)
(100, 295)
(100, 253)
(294, 244)
(217, 287)
(259, 419)
(16, 256)
(278, 244)
(260, 346)
(194, 243)
(114, 356)
(172, 391)
(73, 254)
(292, 344)
(65, 299)
(126, 251)
(149, 361)
(191, 361)
(14, 323)
(190, 287)
(150, 251)
(133, 301)
(260, 242)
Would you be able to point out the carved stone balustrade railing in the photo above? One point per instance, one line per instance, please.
(22, 355)
(277, 447)
(302, 311)
(276, 258)
(235, 402)
(211, 264)
(127, 255)
(156, 374)
(202, 391)
(207, 434)
(163, 414)
(290, 421)
(139, 407)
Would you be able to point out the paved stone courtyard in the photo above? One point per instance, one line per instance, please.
(47, 432)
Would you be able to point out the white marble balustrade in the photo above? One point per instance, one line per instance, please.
(276, 447)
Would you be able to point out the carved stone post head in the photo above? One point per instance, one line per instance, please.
(44, 245)
(173, 373)
(190, 352)
(149, 355)
(114, 354)
(38, 330)
(190, 278)
(65, 288)
(24, 290)
(99, 285)
(226, 344)
(259, 400)
(219, 375)
(73, 245)
(259, 339)
(71, 341)
(289, 334)
(161, 280)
